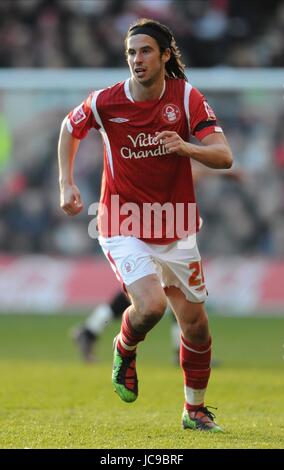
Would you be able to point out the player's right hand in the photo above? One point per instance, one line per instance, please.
(70, 200)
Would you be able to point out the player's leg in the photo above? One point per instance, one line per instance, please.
(175, 342)
(148, 306)
(86, 336)
(131, 260)
(186, 291)
(195, 358)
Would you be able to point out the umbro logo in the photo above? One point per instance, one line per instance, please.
(118, 120)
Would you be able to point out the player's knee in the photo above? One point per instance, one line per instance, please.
(151, 310)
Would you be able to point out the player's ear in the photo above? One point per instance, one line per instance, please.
(166, 55)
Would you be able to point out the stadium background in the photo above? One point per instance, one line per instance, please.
(52, 54)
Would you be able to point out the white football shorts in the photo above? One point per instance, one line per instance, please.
(176, 264)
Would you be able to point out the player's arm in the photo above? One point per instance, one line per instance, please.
(74, 128)
(70, 199)
(213, 153)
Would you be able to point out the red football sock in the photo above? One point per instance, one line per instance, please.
(195, 362)
(128, 338)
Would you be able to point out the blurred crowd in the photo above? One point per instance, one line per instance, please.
(90, 33)
(242, 215)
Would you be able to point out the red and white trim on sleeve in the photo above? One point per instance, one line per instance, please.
(127, 90)
(201, 117)
(187, 90)
(102, 130)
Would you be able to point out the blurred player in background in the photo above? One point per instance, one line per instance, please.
(87, 335)
(146, 122)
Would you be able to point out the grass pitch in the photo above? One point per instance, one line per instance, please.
(49, 399)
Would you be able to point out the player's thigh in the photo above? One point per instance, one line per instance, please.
(132, 261)
(147, 295)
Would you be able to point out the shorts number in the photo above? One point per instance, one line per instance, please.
(196, 278)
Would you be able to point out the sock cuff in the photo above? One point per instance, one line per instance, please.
(126, 346)
(199, 348)
(124, 351)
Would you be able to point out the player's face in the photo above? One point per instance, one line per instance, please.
(144, 59)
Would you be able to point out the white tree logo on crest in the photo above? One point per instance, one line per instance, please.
(171, 113)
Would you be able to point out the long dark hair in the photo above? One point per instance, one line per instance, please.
(174, 67)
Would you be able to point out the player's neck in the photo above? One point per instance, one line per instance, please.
(140, 92)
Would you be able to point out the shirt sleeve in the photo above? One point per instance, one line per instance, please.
(203, 120)
(81, 119)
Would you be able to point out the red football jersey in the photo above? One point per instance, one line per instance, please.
(137, 168)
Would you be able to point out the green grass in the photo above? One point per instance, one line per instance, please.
(49, 399)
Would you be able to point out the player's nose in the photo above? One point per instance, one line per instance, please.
(138, 58)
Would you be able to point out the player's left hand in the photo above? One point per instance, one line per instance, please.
(173, 143)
